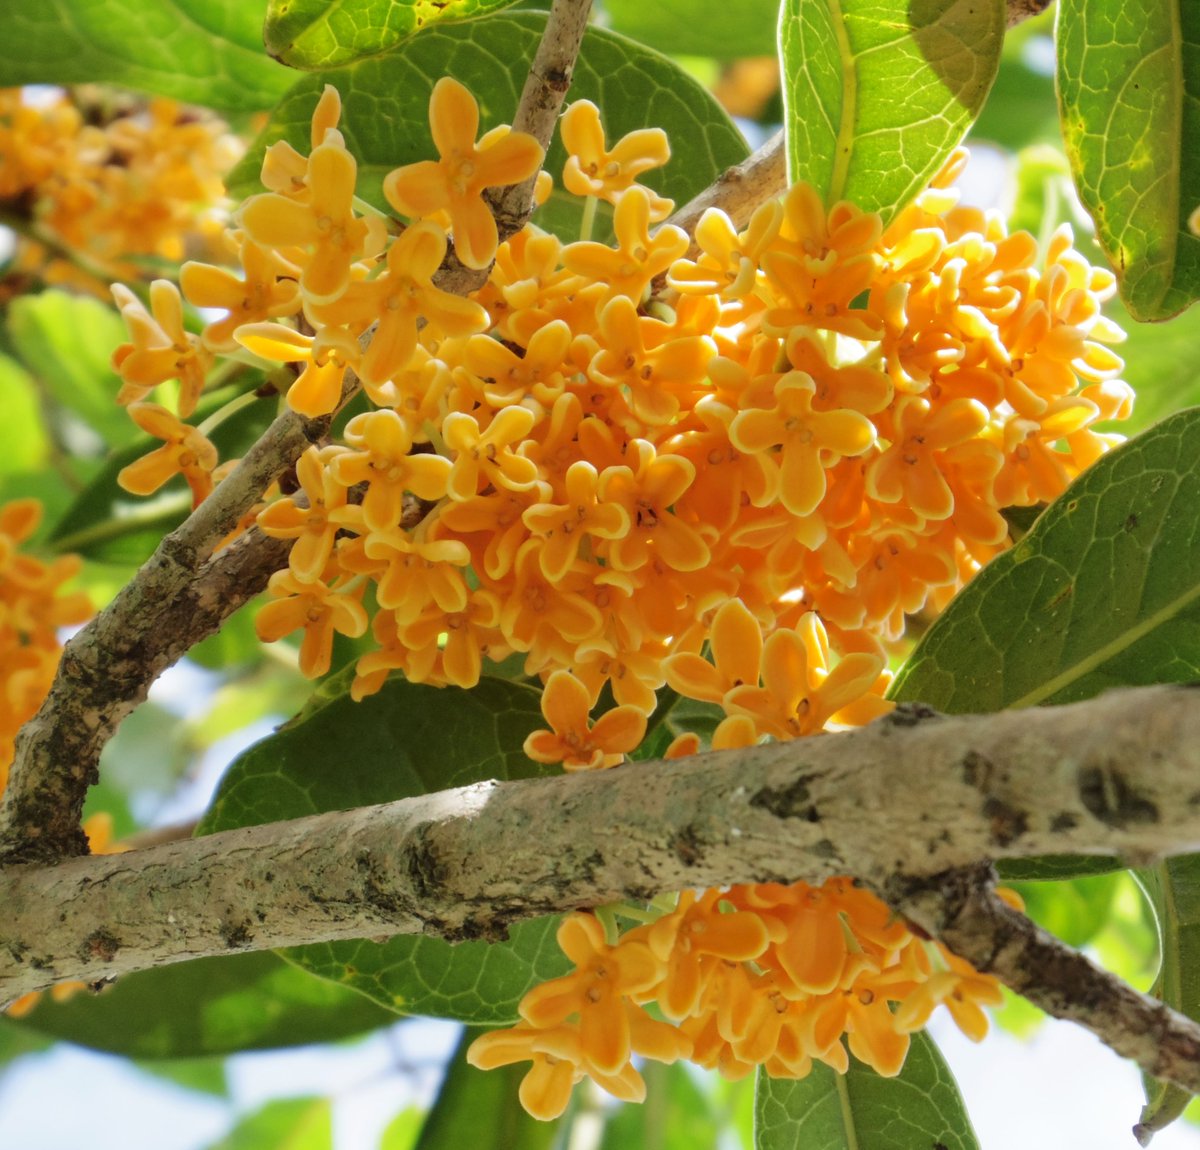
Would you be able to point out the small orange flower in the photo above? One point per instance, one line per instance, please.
(455, 183)
(573, 739)
(325, 355)
(186, 452)
(161, 348)
(318, 609)
(594, 170)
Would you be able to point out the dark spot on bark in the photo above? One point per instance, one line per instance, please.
(1194, 799)
(425, 871)
(910, 714)
(101, 944)
(261, 915)
(1107, 794)
(787, 802)
(236, 935)
(1064, 821)
(1006, 822)
(687, 846)
(977, 770)
(269, 876)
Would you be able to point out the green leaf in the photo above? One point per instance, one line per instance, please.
(315, 34)
(1173, 890)
(206, 52)
(1128, 82)
(878, 92)
(1075, 910)
(23, 442)
(1103, 592)
(66, 341)
(385, 103)
(467, 1095)
(698, 27)
(206, 1075)
(209, 1006)
(677, 1113)
(401, 1132)
(408, 739)
(283, 1124)
(918, 1110)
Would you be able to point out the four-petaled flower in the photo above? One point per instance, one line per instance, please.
(187, 452)
(455, 183)
(574, 740)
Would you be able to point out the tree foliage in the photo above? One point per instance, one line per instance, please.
(851, 439)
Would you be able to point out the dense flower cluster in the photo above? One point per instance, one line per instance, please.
(731, 466)
(33, 606)
(114, 186)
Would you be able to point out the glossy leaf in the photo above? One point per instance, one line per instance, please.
(315, 34)
(23, 442)
(1075, 910)
(877, 92)
(1173, 890)
(408, 739)
(283, 1124)
(634, 86)
(457, 1117)
(203, 51)
(713, 28)
(1103, 592)
(209, 1006)
(921, 1107)
(1129, 86)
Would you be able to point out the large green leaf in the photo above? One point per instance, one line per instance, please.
(315, 34)
(877, 92)
(1104, 591)
(698, 27)
(920, 1109)
(1173, 889)
(203, 51)
(457, 1118)
(283, 1124)
(23, 442)
(386, 106)
(209, 1006)
(1129, 90)
(408, 739)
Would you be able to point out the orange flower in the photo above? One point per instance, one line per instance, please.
(573, 739)
(318, 609)
(186, 452)
(564, 526)
(313, 527)
(161, 348)
(455, 183)
(325, 355)
(488, 454)
(593, 170)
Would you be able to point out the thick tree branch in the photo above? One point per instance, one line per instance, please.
(901, 805)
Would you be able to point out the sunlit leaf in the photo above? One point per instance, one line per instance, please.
(1128, 82)
(283, 1124)
(386, 106)
(203, 51)
(920, 1107)
(408, 739)
(877, 92)
(314, 34)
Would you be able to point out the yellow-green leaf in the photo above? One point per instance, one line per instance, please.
(315, 34)
(1129, 90)
(878, 92)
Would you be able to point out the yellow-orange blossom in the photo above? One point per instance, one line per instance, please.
(739, 489)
